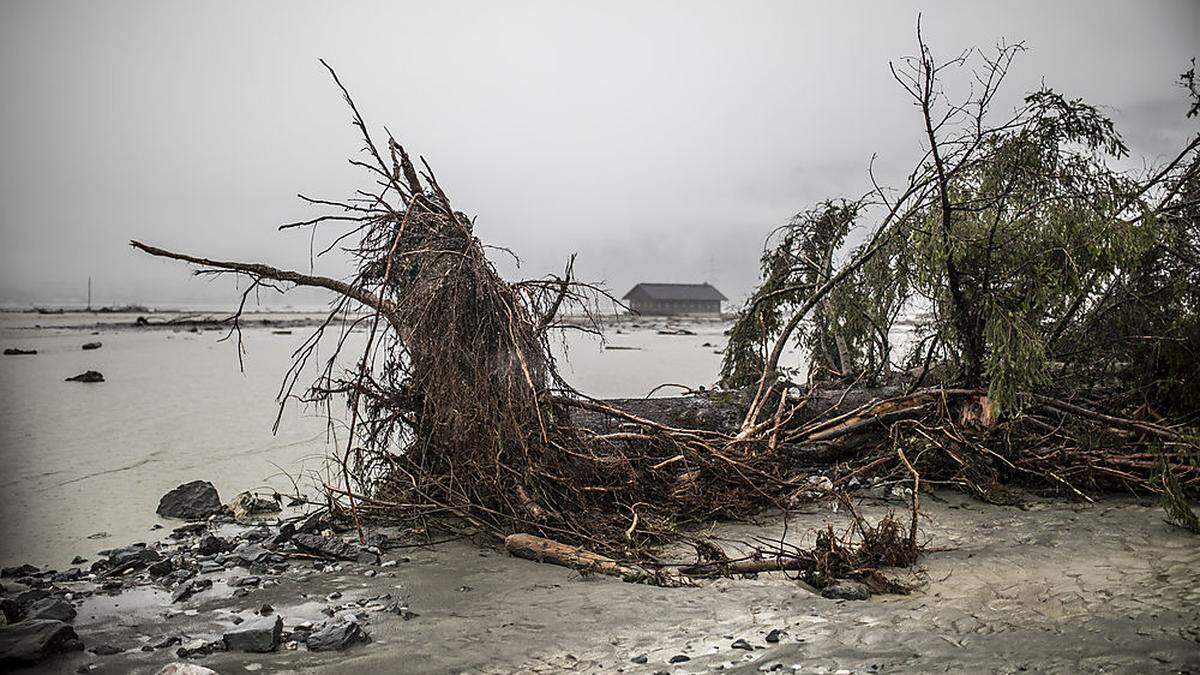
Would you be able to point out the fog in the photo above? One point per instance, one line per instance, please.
(658, 141)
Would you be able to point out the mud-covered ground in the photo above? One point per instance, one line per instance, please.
(1044, 587)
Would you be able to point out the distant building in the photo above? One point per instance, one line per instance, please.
(672, 299)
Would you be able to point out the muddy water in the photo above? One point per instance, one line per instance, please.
(82, 466)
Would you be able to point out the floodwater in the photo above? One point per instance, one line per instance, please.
(82, 466)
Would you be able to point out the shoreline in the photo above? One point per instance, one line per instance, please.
(1045, 586)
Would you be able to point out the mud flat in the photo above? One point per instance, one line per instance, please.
(1043, 587)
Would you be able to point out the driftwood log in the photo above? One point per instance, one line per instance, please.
(542, 550)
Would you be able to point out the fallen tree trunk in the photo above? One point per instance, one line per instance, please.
(540, 549)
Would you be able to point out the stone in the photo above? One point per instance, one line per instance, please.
(185, 669)
(286, 531)
(211, 544)
(10, 610)
(136, 555)
(105, 649)
(328, 547)
(89, 376)
(189, 588)
(161, 568)
(191, 501)
(19, 571)
(73, 574)
(195, 647)
(30, 642)
(774, 635)
(254, 553)
(336, 636)
(258, 636)
(166, 641)
(89, 346)
(51, 608)
(679, 658)
(31, 596)
(185, 531)
(78, 560)
(742, 644)
(843, 589)
(15, 351)
(640, 658)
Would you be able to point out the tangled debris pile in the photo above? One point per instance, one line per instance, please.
(458, 416)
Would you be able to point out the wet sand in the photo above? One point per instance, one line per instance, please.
(1050, 587)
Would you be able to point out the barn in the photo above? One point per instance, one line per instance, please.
(674, 299)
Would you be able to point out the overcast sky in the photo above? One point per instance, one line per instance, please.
(660, 141)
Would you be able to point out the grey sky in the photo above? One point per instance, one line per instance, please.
(659, 141)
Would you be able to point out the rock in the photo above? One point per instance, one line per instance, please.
(742, 644)
(10, 610)
(189, 588)
(30, 642)
(191, 501)
(31, 596)
(166, 641)
(640, 658)
(336, 636)
(13, 351)
(843, 589)
(185, 531)
(679, 658)
(286, 531)
(185, 669)
(161, 568)
(19, 571)
(78, 560)
(89, 376)
(247, 505)
(328, 547)
(211, 544)
(51, 608)
(136, 555)
(258, 636)
(89, 346)
(194, 648)
(254, 553)
(73, 574)
(774, 635)
(106, 649)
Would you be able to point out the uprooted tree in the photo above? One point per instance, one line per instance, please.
(1016, 238)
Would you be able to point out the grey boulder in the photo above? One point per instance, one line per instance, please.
(51, 608)
(336, 636)
(259, 636)
(191, 501)
(30, 642)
